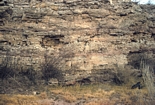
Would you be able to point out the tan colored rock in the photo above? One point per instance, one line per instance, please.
(81, 36)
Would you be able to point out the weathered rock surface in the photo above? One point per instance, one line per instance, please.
(98, 34)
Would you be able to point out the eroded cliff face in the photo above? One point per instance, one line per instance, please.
(93, 35)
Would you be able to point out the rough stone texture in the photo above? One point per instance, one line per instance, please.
(99, 34)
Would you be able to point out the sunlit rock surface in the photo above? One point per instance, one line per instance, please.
(98, 35)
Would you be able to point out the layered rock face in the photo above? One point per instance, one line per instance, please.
(86, 38)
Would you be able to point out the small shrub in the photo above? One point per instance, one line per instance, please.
(123, 75)
(54, 63)
(49, 71)
(6, 70)
(30, 74)
(148, 78)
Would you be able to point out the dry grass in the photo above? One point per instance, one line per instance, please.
(72, 94)
(18, 100)
(128, 96)
(100, 102)
(102, 94)
(23, 99)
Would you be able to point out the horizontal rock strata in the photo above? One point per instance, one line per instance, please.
(86, 38)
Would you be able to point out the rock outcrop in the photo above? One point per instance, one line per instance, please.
(86, 38)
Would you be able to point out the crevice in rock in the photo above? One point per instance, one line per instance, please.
(153, 35)
(50, 41)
